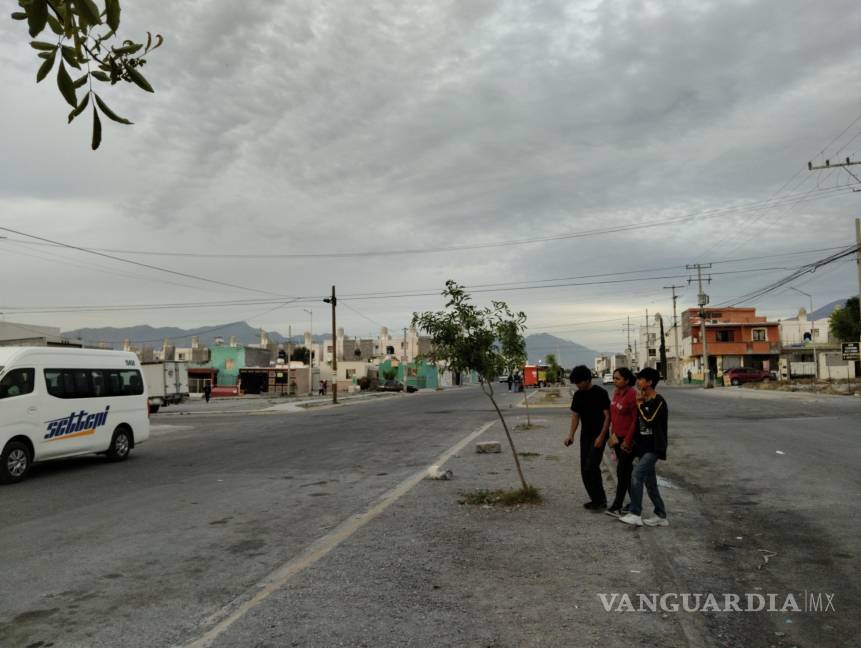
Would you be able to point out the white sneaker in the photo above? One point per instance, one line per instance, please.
(632, 519)
(656, 521)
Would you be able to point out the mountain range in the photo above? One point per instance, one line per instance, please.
(538, 345)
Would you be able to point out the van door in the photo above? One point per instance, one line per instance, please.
(19, 404)
(75, 417)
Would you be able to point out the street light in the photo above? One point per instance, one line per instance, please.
(310, 351)
(812, 336)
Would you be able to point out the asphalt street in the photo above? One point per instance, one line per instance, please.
(156, 550)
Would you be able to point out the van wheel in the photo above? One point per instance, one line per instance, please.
(734, 381)
(121, 444)
(14, 462)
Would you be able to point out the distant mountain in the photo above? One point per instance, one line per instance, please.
(144, 334)
(568, 354)
(823, 312)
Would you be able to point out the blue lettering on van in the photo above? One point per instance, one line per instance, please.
(78, 423)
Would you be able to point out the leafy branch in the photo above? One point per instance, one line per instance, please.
(86, 40)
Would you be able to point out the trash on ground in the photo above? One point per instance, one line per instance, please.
(435, 472)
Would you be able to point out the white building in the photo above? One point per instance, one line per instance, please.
(800, 330)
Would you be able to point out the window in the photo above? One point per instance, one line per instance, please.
(350, 373)
(229, 363)
(93, 383)
(17, 383)
(724, 336)
(759, 335)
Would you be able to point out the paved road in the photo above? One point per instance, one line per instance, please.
(136, 554)
(141, 553)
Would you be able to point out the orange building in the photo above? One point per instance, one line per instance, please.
(735, 337)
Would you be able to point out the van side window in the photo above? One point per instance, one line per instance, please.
(17, 383)
(93, 383)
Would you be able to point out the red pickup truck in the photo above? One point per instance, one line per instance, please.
(739, 375)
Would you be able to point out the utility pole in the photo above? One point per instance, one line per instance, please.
(289, 353)
(812, 335)
(627, 328)
(678, 363)
(333, 300)
(646, 363)
(702, 300)
(405, 359)
(310, 351)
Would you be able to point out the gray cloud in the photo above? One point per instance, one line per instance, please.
(308, 126)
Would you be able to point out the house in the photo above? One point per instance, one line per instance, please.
(735, 337)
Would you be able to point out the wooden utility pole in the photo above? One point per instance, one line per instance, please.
(678, 362)
(333, 300)
(702, 300)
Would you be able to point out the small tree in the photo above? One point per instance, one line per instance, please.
(300, 354)
(485, 340)
(553, 368)
(845, 323)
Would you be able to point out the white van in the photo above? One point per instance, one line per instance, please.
(64, 402)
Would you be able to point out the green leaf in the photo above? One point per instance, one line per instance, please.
(110, 113)
(55, 25)
(97, 129)
(37, 16)
(70, 57)
(81, 82)
(77, 111)
(66, 86)
(19, 15)
(139, 79)
(42, 45)
(46, 66)
(101, 76)
(112, 9)
(128, 49)
(88, 11)
(45, 55)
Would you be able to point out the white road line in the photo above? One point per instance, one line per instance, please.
(275, 580)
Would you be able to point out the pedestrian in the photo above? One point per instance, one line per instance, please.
(320, 390)
(590, 409)
(690, 377)
(623, 426)
(650, 445)
(207, 392)
(510, 381)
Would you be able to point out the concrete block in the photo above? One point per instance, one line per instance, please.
(486, 447)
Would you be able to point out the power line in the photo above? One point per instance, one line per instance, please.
(137, 263)
(709, 213)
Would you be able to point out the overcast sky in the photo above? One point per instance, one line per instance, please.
(370, 127)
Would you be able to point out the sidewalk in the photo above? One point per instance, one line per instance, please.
(432, 572)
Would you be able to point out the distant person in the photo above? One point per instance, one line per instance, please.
(510, 381)
(207, 392)
(320, 391)
(650, 445)
(623, 426)
(591, 413)
(690, 377)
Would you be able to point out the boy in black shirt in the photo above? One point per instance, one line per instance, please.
(591, 411)
(650, 445)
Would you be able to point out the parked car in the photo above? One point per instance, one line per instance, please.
(739, 375)
(607, 379)
(503, 378)
(391, 386)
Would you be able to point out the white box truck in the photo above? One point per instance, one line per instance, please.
(167, 383)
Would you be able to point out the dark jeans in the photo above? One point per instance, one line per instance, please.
(624, 465)
(644, 473)
(590, 469)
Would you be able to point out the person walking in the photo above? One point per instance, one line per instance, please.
(623, 426)
(207, 392)
(510, 381)
(650, 445)
(590, 409)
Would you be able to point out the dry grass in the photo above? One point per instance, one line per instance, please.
(529, 495)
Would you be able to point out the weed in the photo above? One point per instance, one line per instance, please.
(528, 495)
